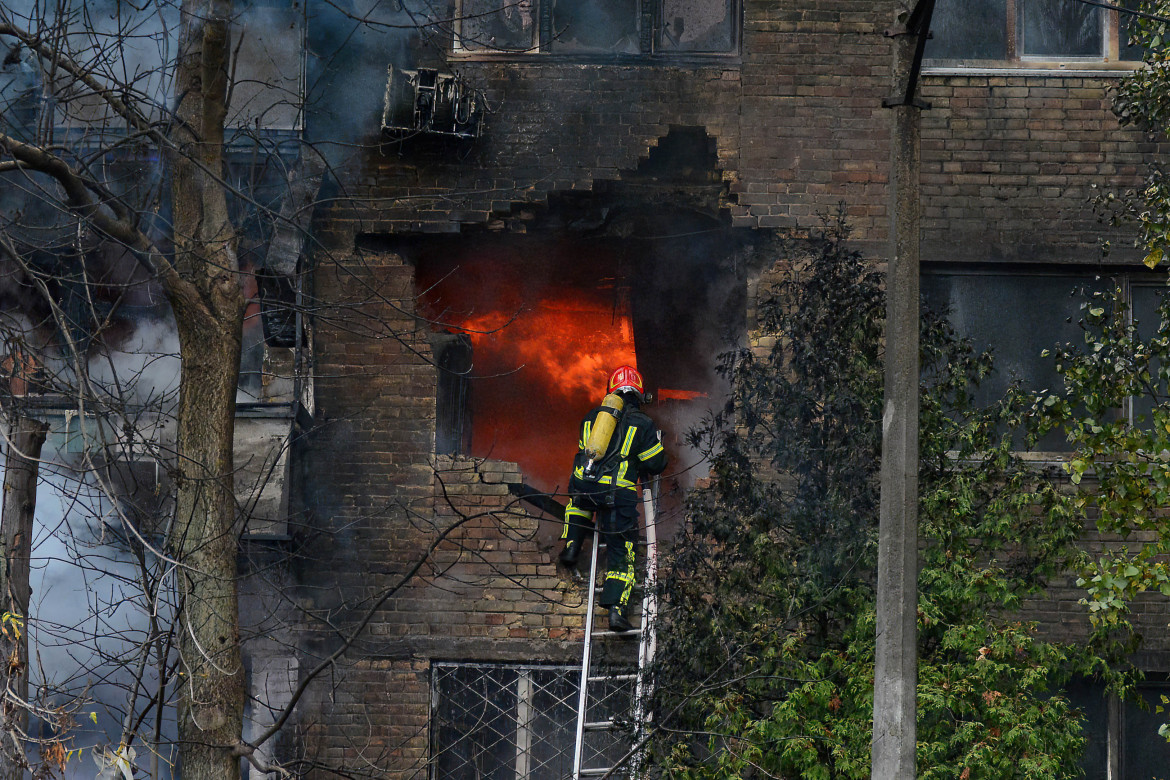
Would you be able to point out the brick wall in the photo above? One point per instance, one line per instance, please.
(797, 126)
(1061, 616)
(1008, 162)
(1009, 165)
(456, 551)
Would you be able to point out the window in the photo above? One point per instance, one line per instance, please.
(1145, 300)
(518, 722)
(1144, 752)
(132, 48)
(597, 27)
(453, 360)
(1123, 739)
(1020, 313)
(1017, 315)
(1029, 32)
(497, 722)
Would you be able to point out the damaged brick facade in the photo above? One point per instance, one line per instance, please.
(795, 126)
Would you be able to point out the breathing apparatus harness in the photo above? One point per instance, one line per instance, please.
(603, 451)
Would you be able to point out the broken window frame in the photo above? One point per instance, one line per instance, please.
(1115, 54)
(647, 26)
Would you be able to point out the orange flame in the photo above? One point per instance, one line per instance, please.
(570, 345)
(541, 369)
(545, 332)
(667, 394)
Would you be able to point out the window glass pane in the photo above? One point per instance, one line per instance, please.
(968, 30)
(497, 722)
(267, 67)
(1059, 28)
(474, 730)
(453, 359)
(1018, 317)
(1144, 752)
(553, 723)
(121, 44)
(603, 26)
(497, 25)
(1128, 22)
(1144, 307)
(696, 25)
(1089, 699)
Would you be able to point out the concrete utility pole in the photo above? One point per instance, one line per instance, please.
(896, 658)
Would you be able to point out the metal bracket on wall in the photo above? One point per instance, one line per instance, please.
(918, 23)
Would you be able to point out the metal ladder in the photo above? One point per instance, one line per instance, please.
(646, 642)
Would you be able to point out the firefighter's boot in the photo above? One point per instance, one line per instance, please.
(617, 621)
(571, 553)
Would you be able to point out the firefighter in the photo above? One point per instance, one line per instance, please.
(605, 480)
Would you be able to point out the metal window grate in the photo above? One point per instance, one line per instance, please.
(502, 722)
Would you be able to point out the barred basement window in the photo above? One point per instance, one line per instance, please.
(502, 722)
(597, 27)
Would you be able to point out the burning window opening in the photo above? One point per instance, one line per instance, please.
(542, 326)
(530, 326)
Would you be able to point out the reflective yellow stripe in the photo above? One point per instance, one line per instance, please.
(650, 453)
(573, 512)
(625, 575)
(629, 442)
(585, 435)
(607, 479)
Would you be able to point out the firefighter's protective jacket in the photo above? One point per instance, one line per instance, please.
(635, 451)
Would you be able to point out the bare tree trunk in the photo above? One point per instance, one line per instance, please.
(212, 698)
(208, 306)
(25, 438)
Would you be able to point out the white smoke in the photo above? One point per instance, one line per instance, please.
(90, 619)
(144, 370)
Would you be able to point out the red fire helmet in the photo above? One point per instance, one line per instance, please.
(626, 378)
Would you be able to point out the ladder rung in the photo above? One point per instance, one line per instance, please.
(633, 632)
(596, 772)
(599, 725)
(613, 678)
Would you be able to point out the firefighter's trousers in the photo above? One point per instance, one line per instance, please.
(619, 526)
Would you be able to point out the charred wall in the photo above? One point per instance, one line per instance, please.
(798, 127)
(797, 123)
